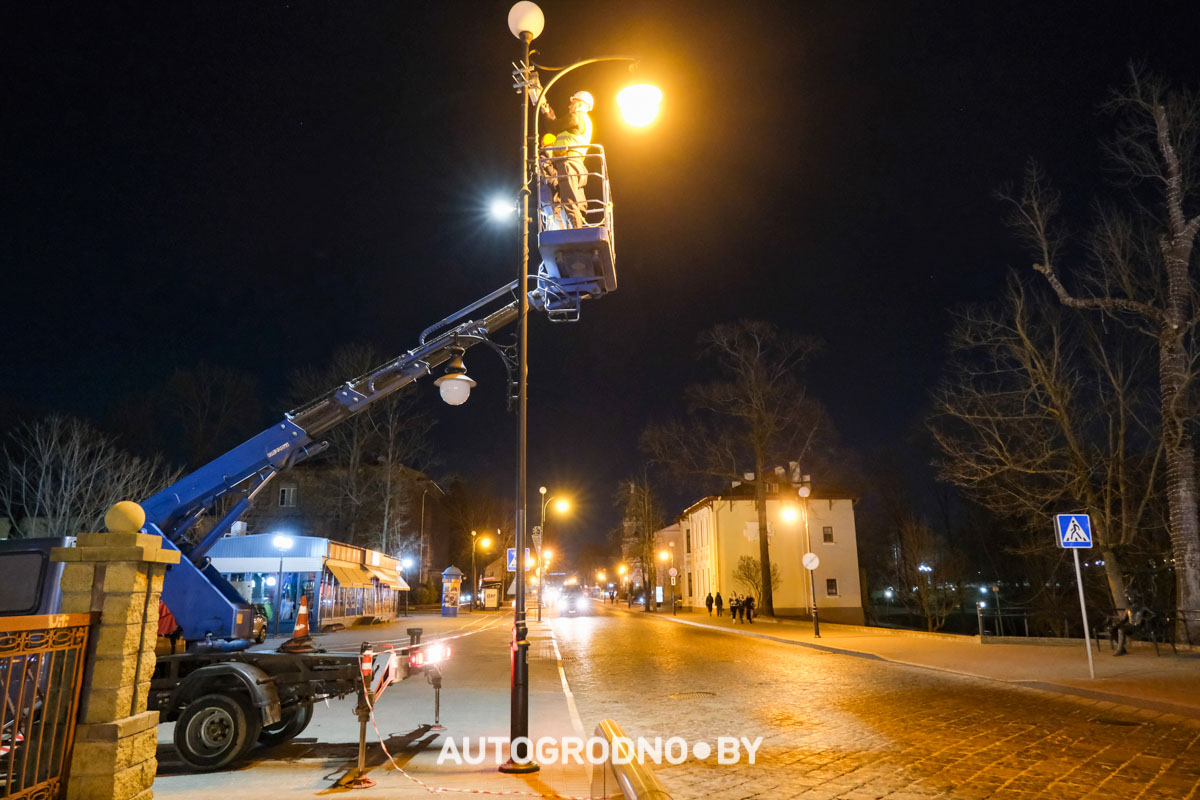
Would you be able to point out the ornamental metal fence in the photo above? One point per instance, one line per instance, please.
(41, 672)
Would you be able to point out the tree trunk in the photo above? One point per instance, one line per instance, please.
(764, 546)
(1181, 484)
(1116, 581)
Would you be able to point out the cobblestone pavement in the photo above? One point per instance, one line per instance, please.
(838, 726)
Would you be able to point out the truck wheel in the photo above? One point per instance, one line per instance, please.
(294, 720)
(214, 730)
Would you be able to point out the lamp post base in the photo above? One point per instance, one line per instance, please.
(511, 767)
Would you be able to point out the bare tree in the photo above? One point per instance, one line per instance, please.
(643, 517)
(368, 451)
(60, 475)
(930, 570)
(1136, 271)
(756, 412)
(748, 573)
(401, 452)
(1040, 412)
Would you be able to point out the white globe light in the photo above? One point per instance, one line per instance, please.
(526, 17)
(805, 491)
(455, 389)
(282, 542)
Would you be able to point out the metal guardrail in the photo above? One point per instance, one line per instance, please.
(41, 673)
(631, 781)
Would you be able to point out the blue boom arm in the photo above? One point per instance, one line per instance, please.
(204, 603)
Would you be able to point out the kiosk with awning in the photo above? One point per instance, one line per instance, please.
(352, 584)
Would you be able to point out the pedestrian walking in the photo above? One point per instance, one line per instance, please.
(708, 601)
(735, 607)
(748, 605)
(719, 603)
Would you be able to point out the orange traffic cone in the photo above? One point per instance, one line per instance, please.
(301, 641)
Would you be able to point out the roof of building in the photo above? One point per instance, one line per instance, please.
(744, 490)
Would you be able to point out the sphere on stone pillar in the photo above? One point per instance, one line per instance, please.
(125, 517)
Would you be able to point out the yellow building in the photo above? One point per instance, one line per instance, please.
(719, 531)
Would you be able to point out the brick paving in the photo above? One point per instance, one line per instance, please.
(839, 726)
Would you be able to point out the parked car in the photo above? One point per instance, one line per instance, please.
(258, 628)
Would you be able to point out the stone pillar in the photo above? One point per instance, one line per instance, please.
(119, 575)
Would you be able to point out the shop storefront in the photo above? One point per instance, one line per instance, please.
(354, 585)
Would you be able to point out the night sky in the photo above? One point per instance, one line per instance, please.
(255, 184)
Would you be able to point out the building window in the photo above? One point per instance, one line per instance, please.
(688, 543)
(827, 534)
(831, 587)
(287, 496)
(690, 592)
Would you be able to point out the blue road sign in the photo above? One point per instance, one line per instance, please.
(512, 558)
(1074, 530)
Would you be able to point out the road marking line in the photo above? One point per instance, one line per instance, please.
(562, 673)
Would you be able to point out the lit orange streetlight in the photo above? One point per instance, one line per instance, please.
(639, 104)
(562, 505)
(486, 544)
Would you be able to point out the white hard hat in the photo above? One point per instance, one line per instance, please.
(585, 98)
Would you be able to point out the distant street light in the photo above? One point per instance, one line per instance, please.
(562, 506)
(487, 543)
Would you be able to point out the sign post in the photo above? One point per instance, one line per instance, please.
(1075, 534)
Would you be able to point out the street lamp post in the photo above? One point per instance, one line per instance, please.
(486, 542)
(526, 21)
(423, 555)
(474, 578)
(405, 563)
(282, 544)
(539, 534)
(669, 555)
(810, 560)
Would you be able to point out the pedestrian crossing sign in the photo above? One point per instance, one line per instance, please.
(1074, 530)
(512, 558)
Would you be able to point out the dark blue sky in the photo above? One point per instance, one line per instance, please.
(256, 184)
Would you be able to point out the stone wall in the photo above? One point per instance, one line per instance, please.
(119, 575)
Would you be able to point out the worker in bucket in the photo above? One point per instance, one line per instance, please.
(567, 172)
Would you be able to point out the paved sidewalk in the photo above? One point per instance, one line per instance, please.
(475, 703)
(1166, 683)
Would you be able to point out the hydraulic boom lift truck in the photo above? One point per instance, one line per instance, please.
(225, 697)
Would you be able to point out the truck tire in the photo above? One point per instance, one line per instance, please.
(214, 730)
(294, 720)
